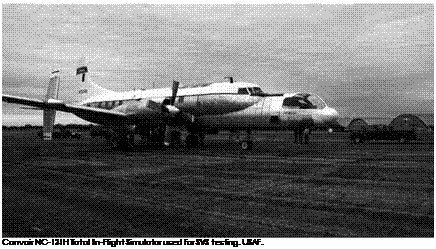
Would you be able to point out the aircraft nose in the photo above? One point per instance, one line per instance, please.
(334, 114)
(331, 115)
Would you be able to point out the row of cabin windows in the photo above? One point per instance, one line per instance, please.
(106, 104)
(112, 104)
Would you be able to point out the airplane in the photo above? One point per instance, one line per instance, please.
(200, 109)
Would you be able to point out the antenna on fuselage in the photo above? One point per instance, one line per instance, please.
(230, 78)
(82, 71)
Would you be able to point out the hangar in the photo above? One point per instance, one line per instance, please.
(405, 127)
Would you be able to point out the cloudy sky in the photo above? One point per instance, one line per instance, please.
(365, 60)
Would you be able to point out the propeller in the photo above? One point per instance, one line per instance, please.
(175, 115)
(167, 106)
(175, 89)
(170, 108)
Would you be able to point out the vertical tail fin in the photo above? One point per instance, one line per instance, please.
(49, 115)
(88, 87)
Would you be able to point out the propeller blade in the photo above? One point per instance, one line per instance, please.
(167, 139)
(175, 89)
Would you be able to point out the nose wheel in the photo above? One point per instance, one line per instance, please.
(195, 140)
(247, 145)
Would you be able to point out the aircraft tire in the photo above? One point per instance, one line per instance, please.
(357, 140)
(194, 140)
(246, 145)
(191, 140)
(175, 138)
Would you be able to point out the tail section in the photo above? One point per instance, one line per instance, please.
(49, 115)
(88, 88)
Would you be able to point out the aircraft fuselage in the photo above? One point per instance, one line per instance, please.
(218, 106)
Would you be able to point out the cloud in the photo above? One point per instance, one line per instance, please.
(282, 47)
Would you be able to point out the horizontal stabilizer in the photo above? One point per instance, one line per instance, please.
(22, 100)
(30, 108)
(58, 105)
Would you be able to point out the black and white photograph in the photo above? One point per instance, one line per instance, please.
(217, 120)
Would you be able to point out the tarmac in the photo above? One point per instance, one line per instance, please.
(329, 188)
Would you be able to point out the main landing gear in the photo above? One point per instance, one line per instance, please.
(195, 139)
(245, 142)
(121, 140)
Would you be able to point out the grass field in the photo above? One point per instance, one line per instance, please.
(82, 188)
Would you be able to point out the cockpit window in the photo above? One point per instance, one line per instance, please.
(257, 90)
(251, 90)
(304, 101)
(316, 101)
(292, 102)
(242, 91)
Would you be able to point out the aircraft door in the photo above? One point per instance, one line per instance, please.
(271, 112)
(255, 113)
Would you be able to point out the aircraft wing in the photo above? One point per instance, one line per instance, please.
(95, 113)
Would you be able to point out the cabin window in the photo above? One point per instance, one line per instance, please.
(114, 103)
(121, 102)
(242, 91)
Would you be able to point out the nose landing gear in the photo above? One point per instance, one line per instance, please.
(247, 145)
(246, 142)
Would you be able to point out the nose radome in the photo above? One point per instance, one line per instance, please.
(332, 114)
(335, 114)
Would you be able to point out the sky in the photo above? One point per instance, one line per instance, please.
(365, 60)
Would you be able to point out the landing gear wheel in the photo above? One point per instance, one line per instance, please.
(194, 140)
(123, 143)
(246, 145)
(357, 140)
(190, 140)
(175, 139)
